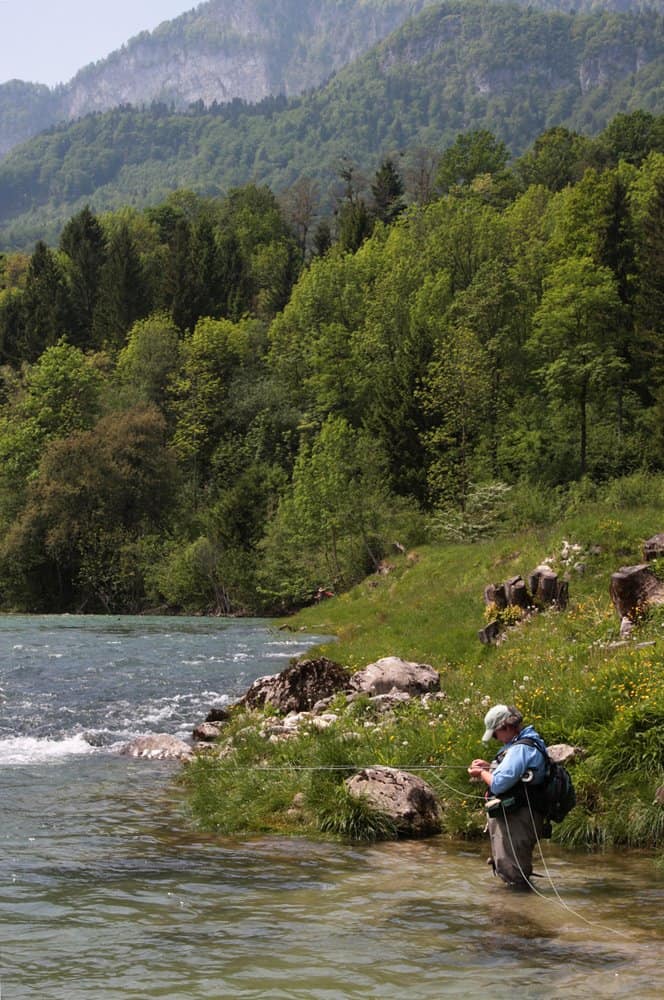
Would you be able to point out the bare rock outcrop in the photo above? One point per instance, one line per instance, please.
(407, 800)
(299, 687)
(394, 674)
(158, 746)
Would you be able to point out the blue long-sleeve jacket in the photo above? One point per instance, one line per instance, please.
(519, 758)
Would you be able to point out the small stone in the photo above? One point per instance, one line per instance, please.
(206, 732)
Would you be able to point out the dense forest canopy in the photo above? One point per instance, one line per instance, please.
(456, 67)
(214, 404)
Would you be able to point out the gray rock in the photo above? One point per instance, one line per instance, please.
(206, 732)
(410, 803)
(563, 753)
(158, 746)
(385, 702)
(392, 673)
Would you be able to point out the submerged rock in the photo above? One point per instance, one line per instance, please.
(158, 746)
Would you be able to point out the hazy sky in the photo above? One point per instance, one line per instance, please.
(47, 41)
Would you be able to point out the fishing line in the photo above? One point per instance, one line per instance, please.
(342, 767)
(462, 794)
(558, 900)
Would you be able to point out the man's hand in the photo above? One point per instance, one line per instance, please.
(477, 766)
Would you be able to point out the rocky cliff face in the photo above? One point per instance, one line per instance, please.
(224, 49)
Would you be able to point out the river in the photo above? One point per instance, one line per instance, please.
(107, 891)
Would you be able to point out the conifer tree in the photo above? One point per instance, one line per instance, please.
(387, 190)
(83, 242)
(43, 304)
(123, 294)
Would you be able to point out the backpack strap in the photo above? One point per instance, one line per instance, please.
(538, 744)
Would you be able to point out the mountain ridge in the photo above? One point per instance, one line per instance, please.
(218, 51)
(227, 49)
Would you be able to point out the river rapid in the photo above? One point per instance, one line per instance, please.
(108, 891)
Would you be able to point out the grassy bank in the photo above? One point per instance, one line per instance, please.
(558, 667)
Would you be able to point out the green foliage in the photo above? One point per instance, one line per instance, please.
(96, 494)
(467, 343)
(472, 154)
(333, 526)
(149, 359)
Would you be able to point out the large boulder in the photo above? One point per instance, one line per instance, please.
(394, 674)
(158, 746)
(408, 801)
(298, 687)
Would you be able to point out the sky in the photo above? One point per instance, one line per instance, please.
(48, 41)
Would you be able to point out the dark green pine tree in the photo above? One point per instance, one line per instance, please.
(11, 328)
(179, 291)
(234, 288)
(123, 296)
(322, 240)
(84, 243)
(44, 304)
(616, 251)
(387, 190)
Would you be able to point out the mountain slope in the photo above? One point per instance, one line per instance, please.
(226, 49)
(451, 69)
(223, 49)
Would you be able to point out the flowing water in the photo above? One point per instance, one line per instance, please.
(107, 891)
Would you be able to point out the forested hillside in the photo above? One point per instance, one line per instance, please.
(454, 68)
(202, 407)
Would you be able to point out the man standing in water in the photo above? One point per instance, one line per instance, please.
(514, 822)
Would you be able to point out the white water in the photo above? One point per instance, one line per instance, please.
(107, 891)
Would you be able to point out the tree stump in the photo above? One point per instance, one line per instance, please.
(634, 588)
(517, 593)
(489, 633)
(653, 548)
(495, 594)
(547, 588)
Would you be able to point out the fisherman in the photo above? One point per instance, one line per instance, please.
(514, 822)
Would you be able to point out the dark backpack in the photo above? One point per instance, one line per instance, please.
(555, 797)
